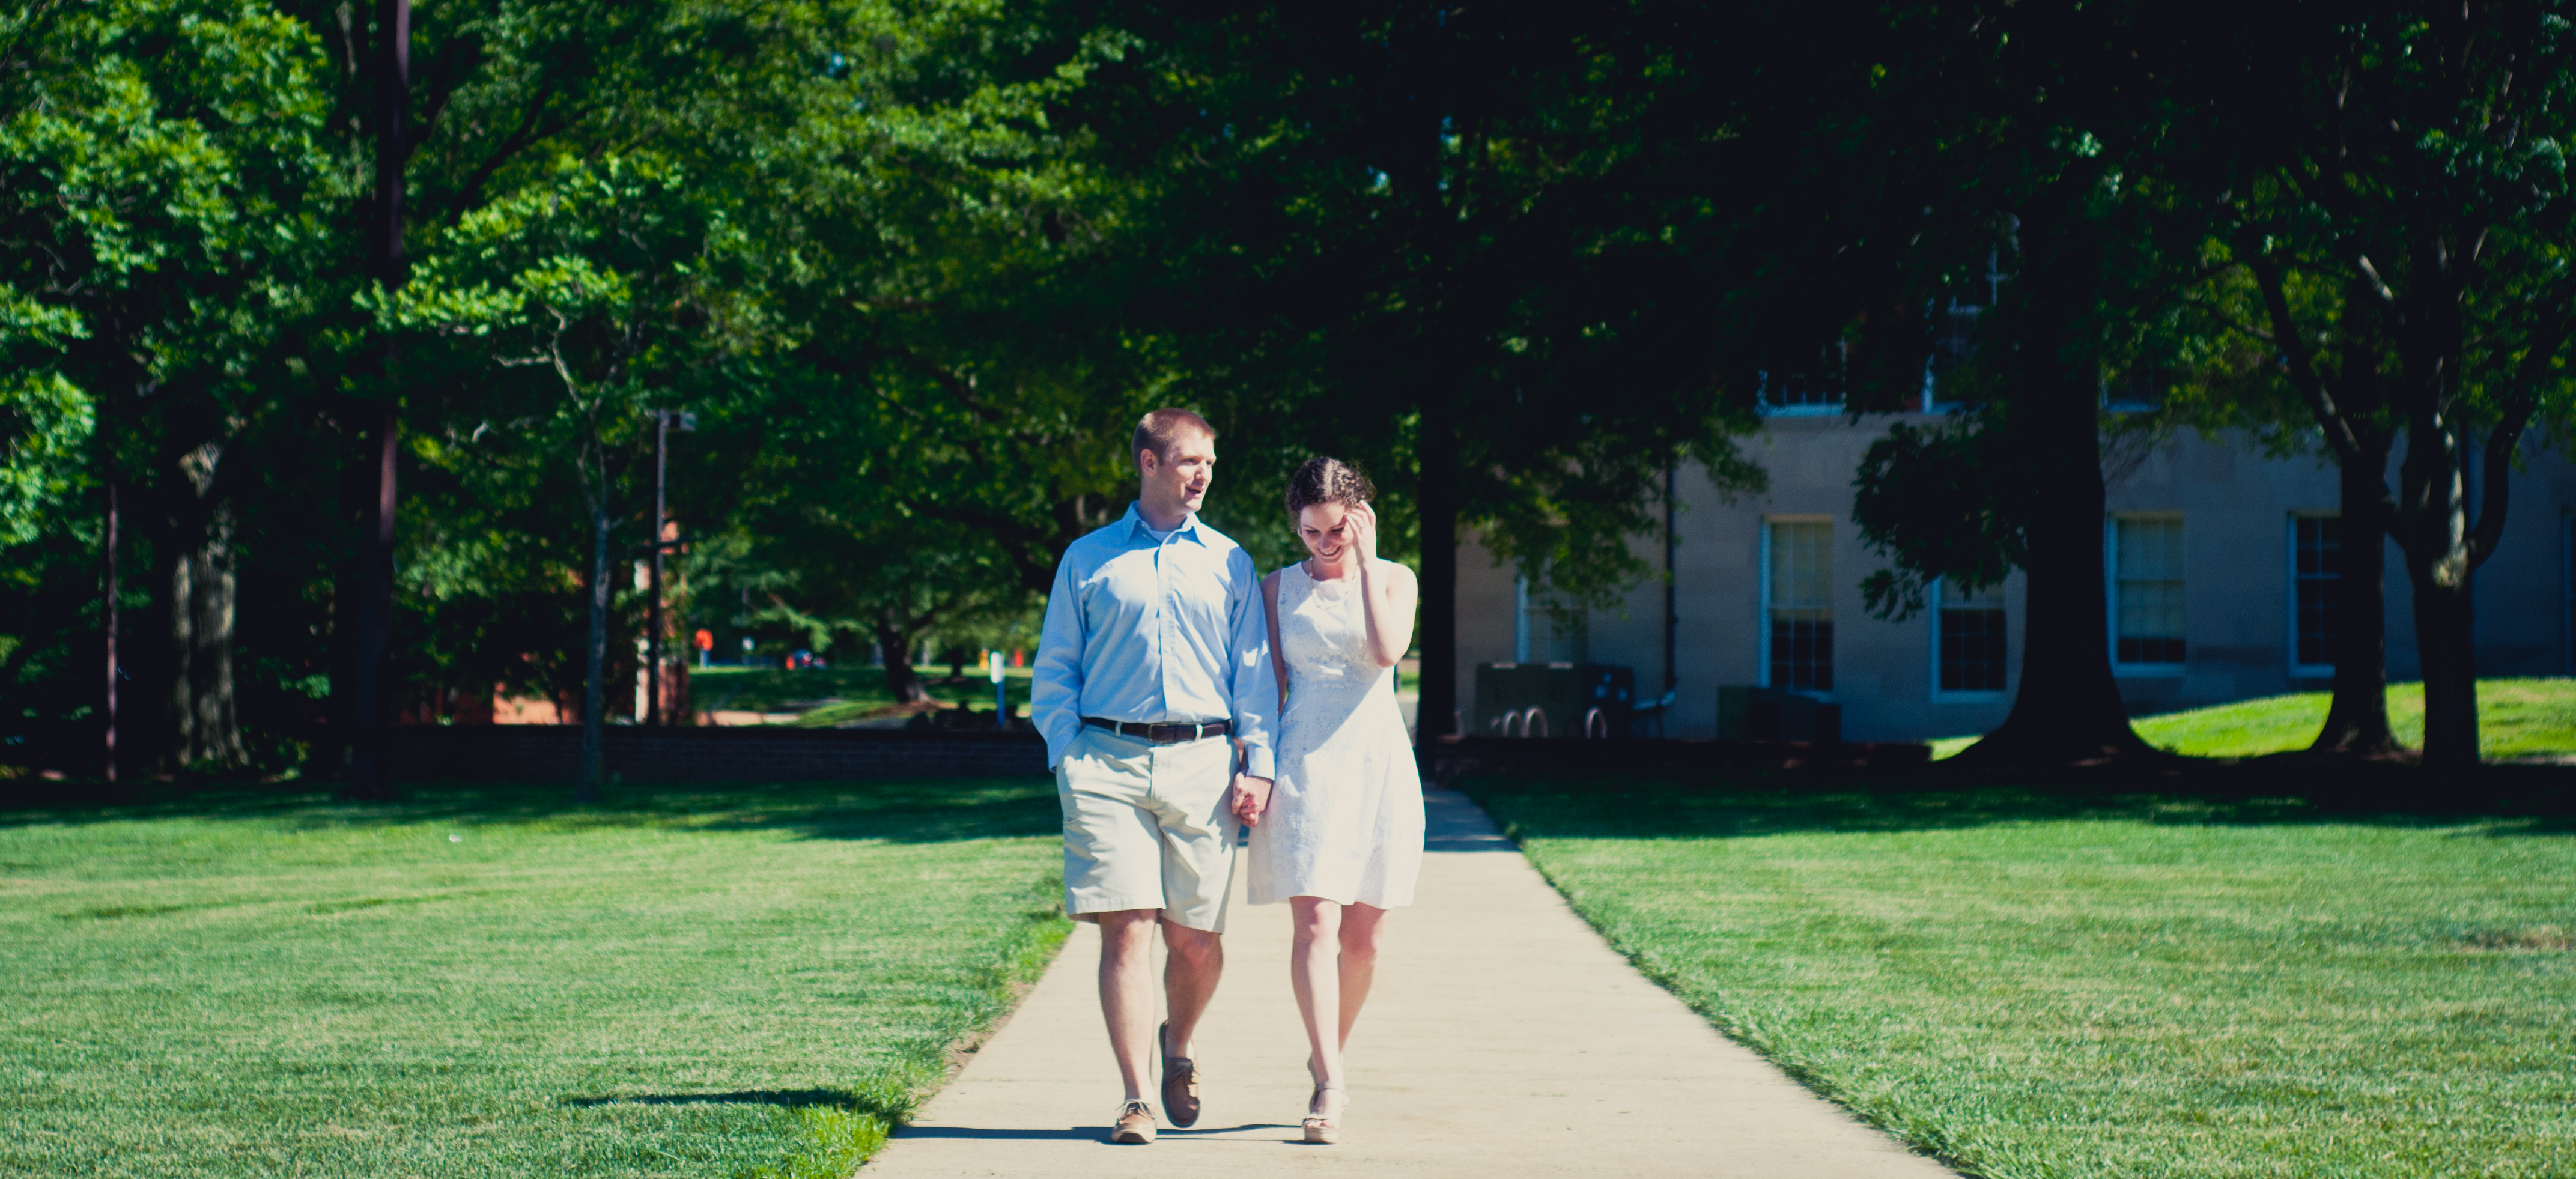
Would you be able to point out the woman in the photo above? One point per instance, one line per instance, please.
(1340, 838)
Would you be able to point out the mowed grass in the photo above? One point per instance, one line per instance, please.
(853, 692)
(2030, 985)
(491, 982)
(2516, 718)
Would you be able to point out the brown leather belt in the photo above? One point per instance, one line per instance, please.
(1165, 734)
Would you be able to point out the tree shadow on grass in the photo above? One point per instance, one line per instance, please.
(792, 1098)
(2508, 800)
(914, 811)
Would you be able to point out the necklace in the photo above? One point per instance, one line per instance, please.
(1309, 564)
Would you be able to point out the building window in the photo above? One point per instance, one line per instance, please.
(1953, 345)
(1798, 601)
(2313, 541)
(1954, 329)
(1816, 391)
(1542, 633)
(1970, 650)
(2146, 575)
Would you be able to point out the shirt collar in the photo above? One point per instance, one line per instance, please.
(1137, 529)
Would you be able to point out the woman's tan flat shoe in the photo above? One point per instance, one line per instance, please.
(1325, 1129)
(1135, 1125)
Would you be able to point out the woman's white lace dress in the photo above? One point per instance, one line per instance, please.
(1345, 817)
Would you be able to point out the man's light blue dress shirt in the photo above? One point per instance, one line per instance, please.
(1154, 631)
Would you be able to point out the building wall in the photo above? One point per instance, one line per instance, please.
(2236, 506)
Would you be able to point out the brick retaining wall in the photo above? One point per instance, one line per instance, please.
(551, 753)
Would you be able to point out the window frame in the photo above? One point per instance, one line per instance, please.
(1579, 642)
(1520, 618)
(1832, 367)
(1810, 409)
(1762, 615)
(1940, 695)
(2298, 670)
(1994, 279)
(2111, 598)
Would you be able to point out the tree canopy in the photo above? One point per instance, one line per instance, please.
(917, 267)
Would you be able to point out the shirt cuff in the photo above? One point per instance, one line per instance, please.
(1257, 762)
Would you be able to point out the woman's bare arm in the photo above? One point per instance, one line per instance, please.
(1387, 590)
(1387, 595)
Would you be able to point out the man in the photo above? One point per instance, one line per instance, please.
(1154, 663)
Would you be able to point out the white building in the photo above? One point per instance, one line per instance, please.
(2212, 550)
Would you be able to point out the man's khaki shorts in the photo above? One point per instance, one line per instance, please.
(1145, 827)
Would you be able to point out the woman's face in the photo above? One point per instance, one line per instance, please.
(1324, 528)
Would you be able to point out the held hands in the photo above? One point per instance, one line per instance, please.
(1248, 798)
(1360, 525)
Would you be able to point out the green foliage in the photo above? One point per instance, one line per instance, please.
(170, 202)
(1946, 501)
(44, 420)
(917, 269)
(1495, 295)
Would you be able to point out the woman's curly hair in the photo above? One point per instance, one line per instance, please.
(1327, 481)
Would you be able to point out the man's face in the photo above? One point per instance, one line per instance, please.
(1179, 483)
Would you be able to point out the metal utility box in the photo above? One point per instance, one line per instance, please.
(1553, 700)
(1772, 714)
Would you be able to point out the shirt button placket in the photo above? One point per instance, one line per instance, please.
(1163, 624)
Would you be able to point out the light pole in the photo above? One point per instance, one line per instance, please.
(1001, 691)
(663, 420)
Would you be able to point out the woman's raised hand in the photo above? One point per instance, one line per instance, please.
(1361, 535)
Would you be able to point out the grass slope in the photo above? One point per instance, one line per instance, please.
(774, 688)
(2033, 986)
(2515, 718)
(853, 692)
(486, 982)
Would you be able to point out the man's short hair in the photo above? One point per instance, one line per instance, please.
(1157, 431)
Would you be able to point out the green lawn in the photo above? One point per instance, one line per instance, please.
(830, 695)
(2031, 985)
(2515, 718)
(489, 982)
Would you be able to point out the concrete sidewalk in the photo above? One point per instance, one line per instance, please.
(1504, 1037)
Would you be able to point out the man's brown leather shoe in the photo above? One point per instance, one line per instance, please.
(1180, 1081)
(1135, 1125)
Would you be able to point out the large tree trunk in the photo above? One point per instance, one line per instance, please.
(2443, 636)
(594, 685)
(2357, 720)
(366, 591)
(205, 727)
(894, 641)
(2433, 533)
(1436, 714)
(2067, 707)
(204, 712)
